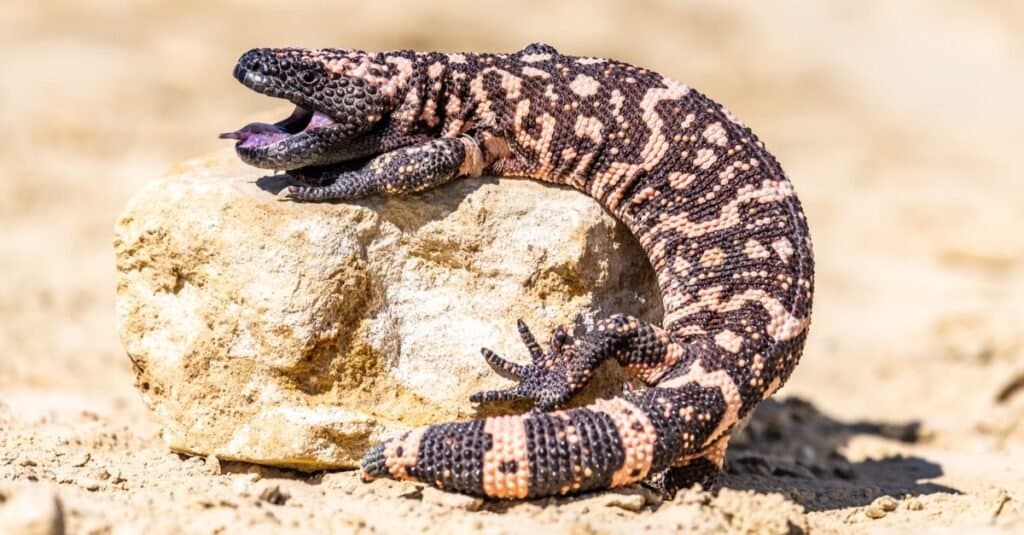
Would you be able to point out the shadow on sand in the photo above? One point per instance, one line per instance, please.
(792, 448)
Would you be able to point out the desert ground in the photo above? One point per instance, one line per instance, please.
(898, 122)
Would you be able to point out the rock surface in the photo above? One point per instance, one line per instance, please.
(299, 334)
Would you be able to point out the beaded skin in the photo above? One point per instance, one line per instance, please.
(712, 209)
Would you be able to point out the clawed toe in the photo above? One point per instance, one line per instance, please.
(517, 371)
(558, 339)
(310, 193)
(531, 343)
(488, 396)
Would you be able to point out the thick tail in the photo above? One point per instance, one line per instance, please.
(607, 444)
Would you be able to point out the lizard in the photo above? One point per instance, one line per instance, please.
(712, 209)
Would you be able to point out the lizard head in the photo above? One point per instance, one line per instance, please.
(338, 95)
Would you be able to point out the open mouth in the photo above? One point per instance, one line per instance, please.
(301, 121)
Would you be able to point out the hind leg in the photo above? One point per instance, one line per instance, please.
(690, 471)
(553, 377)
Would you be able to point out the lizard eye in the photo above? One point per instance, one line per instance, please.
(309, 77)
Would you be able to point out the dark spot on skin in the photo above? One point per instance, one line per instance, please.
(635, 473)
(399, 451)
(508, 467)
(637, 426)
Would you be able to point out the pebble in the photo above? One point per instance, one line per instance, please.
(88, 483)
(629, 502)
(886, 503)
(914, 504)
(117, 477)
(80, 460)
(451, 500)
(272, 494)
(32, 510)
(628, 498)
(243, 484)
(212, 465)
(694, 495)
(874, 512)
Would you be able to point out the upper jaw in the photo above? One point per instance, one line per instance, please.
(262, 83)
(265, 85)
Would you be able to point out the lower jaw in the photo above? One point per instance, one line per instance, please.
(276, 160)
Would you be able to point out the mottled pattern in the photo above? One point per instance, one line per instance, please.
(714, 212)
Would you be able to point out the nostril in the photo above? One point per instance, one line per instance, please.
(252, 60)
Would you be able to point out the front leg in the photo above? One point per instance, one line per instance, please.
(404, 170)
(324, 175)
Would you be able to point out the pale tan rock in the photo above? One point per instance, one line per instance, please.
(299, 334)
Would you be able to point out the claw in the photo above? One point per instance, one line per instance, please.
(488, 396)
(515, 370)
(558, 339)
(531, 343)
(306, 194)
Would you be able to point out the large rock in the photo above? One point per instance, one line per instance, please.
(299, 334)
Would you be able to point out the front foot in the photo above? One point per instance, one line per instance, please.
(406, 170)
(546, 381)
(307, 193)
(343, 189)
(374, 463)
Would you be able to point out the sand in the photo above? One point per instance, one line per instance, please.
(899, 123)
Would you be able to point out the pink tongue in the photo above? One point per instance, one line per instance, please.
(256, 134)
(319, 120)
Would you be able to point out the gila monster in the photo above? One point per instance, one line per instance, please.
(711, 208)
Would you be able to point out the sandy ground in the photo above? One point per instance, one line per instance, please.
(899, 122)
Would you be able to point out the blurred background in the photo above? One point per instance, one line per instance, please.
(900, 123)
